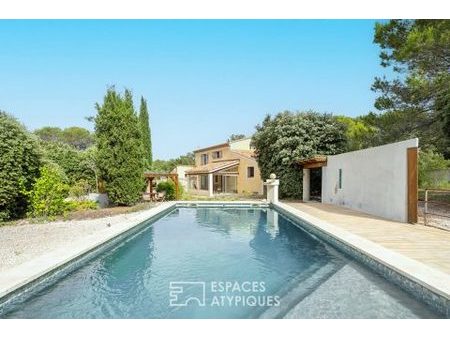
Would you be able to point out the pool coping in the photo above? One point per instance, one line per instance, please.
(422, 281)
(30, 271)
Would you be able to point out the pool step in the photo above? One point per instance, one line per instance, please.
(352, 292)
(299, 289)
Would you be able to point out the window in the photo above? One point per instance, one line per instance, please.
(217, 154)
(204, 182)
(250, 171)
(340, 179)
(204, 159)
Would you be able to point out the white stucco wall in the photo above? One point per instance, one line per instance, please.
(181, 171)
(374, 180)
(242, 144)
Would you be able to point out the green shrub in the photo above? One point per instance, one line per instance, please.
(77, 164)
(79, 189)
(81, 205)
(20, 159)
(428, 162)
(48, 193)
(181, 191)
(168, 187)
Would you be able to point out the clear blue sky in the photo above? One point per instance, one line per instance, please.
(204, 80)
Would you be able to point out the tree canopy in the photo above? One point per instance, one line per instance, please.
(280, 142)
(77, 137)
(165, 166)
(417, 102)
(359, 133)
(235, 137)
(119, 148)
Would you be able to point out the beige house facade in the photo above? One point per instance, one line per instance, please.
(227, 168)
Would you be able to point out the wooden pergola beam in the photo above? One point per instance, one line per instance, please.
(317, 161)
(313, 165)
(412, 178)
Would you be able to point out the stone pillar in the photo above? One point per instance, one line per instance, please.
(306, 184)
(272, 189)
(210, 185)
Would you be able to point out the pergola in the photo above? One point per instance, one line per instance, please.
(314, 162)
(150, 176)
(317, 161)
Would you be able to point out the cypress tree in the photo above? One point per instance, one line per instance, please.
(119, 144)
(146, 133)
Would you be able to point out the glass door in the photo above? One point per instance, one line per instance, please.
(230, 184)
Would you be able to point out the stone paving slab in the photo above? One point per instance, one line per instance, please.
(427, 245)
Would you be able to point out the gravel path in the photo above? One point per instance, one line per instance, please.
(20, 243)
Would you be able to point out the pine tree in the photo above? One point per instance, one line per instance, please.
(119, 144)
(146, 133)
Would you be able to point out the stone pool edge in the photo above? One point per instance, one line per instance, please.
(423, 282)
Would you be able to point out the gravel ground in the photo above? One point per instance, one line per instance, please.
(20, 243)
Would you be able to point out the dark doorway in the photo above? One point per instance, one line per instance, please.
(316, 185)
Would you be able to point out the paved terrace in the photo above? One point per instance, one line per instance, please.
(428, 245)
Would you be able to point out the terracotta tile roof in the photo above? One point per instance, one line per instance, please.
(212, 167)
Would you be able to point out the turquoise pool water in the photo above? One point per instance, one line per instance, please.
(220, 263)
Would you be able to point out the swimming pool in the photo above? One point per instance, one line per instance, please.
(219, 262)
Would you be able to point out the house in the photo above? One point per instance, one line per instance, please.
(227, 168)
(381, 181)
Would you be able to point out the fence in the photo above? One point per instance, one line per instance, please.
(434, 207)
